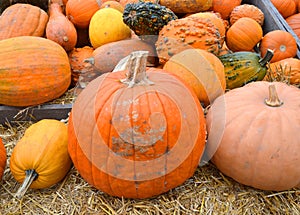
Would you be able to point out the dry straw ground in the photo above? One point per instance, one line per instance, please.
(207, 192)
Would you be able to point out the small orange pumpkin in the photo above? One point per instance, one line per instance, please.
(182, 7)
(286, 8)
(224, 7)
(244, 34)
(113, 4)
(3, 158)
(80, 12)
(282, 43)
(293, 21)
(247, 10)
(59, 29)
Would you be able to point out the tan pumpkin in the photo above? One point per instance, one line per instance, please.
(59, 29)
(80, 12)
(186, 33)
(247, 10)
(244, 34)
(40, 158)
(34, 70)
(253, 135)
(287, 70)
(22, 20)
(201, 70)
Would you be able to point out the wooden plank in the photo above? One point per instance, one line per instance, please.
(47, 111)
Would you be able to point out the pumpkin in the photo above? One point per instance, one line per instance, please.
(106, 57)
(244, 67)
(224, 7)
(286, 8)
(113, 4)
(247, 10)
(136, 133)
(34, 70)
(287, 69)
(59, 29)
(79, 65)
(3, 158)
(185, 33)
(22, 20)
(80, 12)
(259, 144)
(40, 158)
(201, 70)
(146, 19)
(244, 34)
(181, 7)
(216, 19)
(293, 22)
(107, 26)
(281, 42)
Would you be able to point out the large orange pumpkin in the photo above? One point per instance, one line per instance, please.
(34, 70)
(139, 135)
(22, 20)
(254, 135)
(282, 43)
(2, 158)
(244, 34)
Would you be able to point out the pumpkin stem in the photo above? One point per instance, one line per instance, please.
(268, 56)
(31, 175)
(273, 100)
(136, 66)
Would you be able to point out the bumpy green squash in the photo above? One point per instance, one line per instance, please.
(244, 67)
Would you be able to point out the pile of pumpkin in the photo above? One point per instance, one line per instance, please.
(140, 128)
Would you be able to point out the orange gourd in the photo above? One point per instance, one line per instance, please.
(253, 135)
(136, 133)
(80, 12)
(22, 20)
(59, 29)
(286, 8)
(244, 34)
(247, 10)
(282, 43)
(3, 158)
(224, 7)
(185, 33)
(34, 70)
(201, 70)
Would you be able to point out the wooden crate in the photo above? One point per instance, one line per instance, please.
(273, 19)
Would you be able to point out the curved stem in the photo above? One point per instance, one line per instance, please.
(268, 56)
(273, 100)
(31, 175)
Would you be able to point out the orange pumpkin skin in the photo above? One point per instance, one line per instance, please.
(293, 22)
(114, 121)
(59, 29)
(22, 20)
(182, 7)
(286, 8)
(113, 4)
(43, 75)
(291, 69)
(80, 12)
(3, 158)
(201, 70)
(186, 33)
(247, 10)
(281, 42)
(260, 146)
(243, 35)
(224, 7)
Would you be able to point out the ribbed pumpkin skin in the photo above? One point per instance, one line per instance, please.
(2, 158)
(33, 70)
(260, 146)
(143, 163)
(22, 20)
